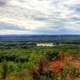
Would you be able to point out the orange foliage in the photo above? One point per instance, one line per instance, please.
(55, 66)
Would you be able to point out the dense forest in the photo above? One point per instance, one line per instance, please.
(23, 60)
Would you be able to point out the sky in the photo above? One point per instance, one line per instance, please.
(40, 17)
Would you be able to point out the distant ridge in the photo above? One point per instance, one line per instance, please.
(35, 37)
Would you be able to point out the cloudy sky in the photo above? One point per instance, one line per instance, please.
(39, 16)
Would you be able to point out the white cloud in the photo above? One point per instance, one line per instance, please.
(26, 24)
(7, 31)
(48, 15)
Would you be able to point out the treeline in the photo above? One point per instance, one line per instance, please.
(13, 58)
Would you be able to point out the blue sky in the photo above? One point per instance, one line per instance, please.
(39, 16)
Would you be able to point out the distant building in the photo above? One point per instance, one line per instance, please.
(46, 44)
